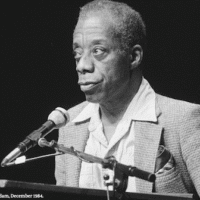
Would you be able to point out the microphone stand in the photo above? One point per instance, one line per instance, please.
(121, 171)
(22, 159)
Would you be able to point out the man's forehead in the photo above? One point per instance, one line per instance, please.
(92, 22)
(96, 26)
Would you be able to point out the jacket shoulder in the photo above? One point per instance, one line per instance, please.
(174, 112)
(180, 106)
(74, 111)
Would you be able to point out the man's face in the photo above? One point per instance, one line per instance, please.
(103, 72)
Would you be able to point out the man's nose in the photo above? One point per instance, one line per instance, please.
(85, 65)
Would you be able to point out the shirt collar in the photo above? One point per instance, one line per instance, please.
(87, 112)
(142, 106)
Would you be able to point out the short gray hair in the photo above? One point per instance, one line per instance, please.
(128, 25)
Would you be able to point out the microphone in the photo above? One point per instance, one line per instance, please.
(134, 171)
(56, 119)
(129, 170)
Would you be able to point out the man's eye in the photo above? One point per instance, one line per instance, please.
(77, 54)
(98, 51)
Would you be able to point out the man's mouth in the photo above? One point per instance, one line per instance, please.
(85, 86)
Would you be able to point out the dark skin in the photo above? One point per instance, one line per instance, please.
(105, 75)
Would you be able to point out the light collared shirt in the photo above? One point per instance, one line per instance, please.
(122, 143)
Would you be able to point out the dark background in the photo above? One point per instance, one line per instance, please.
(38, 70)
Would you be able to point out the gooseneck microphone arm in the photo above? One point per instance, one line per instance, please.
(56, 119)
(29, 142)
(32, 139)
(109, 162)
(121, 171)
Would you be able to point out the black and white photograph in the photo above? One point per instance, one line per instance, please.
(100, 99)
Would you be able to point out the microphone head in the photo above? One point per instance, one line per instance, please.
(59, 116)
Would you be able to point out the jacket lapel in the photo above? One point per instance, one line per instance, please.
(148, 136)
(147, 141)
(78, 138)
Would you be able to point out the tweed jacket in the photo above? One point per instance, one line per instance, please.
(177, 128)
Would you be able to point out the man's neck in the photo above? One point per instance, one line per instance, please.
(113, 111)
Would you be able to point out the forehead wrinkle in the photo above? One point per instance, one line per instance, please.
(94, 37)
(88, 30)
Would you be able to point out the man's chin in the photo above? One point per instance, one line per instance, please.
(92, 98)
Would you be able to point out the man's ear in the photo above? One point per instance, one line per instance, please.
(136, 56)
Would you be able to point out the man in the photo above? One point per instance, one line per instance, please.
(122, 115)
